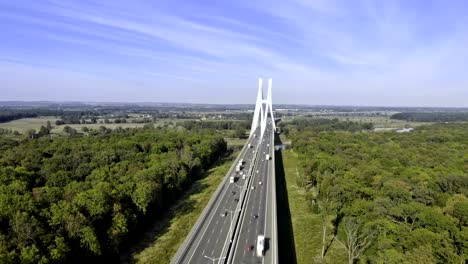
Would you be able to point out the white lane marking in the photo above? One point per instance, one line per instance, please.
(260, 201)
(223, 196)
(266, 206)
(248, 206)
(206, 227)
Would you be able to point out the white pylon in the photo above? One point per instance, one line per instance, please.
(263, 107)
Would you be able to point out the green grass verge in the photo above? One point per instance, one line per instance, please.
(162, 242)
(235, 142)
(306, 225)
(24, 124)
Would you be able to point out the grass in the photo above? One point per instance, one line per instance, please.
(24, 124)
(306, 225)
(380, 122)
(235, 142)
(59, 129)
(162, 242)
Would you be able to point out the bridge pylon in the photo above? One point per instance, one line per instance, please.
(263, 107)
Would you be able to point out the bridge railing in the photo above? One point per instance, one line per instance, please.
(274, 238)
(196, 227)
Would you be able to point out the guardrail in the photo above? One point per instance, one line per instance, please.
(274, 238)
(235, 235)
(196, 227)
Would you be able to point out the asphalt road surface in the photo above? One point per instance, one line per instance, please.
(214, 234)
(256, 220)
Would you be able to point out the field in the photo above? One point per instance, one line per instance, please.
(380, 122)
(306, 225)
(235, 142)
(162, 242)
(25, 124)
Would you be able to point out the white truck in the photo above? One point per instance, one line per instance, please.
(267, 156)
(232, 179)
(260, 245)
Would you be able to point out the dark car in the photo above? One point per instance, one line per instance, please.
(236, 200)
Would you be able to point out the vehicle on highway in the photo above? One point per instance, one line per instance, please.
(260, 182)
(267, 156)
(253, 187)
(255, 216)
(232, 179)
(260, 245)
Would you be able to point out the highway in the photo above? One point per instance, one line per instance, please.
(227, 230)
(256, 218)
(214, 234)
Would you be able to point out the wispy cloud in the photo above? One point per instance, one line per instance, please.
(342, 46)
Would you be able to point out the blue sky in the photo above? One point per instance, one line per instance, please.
(360, 52)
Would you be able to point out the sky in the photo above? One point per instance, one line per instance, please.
(318, 52)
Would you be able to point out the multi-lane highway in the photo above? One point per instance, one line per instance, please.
(238, 212)
(254, 220)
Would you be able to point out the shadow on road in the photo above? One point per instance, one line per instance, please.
(286, 246)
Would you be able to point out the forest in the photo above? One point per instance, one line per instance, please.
(431, 116)
(322, 124)
(216, 124)
(387, 197)
(80, 197)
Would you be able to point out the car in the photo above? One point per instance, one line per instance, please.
(250, 247)
(233, 192)
(253, 187)
(255, 216)
(223, 214)
(236, 200)
(260, 182)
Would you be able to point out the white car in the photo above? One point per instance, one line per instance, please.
(260, 182)
(253, 188)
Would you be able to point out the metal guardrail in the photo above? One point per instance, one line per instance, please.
(196, 227)
(274, 239)
(241, 214)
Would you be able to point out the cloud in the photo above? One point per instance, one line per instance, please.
(332, 50)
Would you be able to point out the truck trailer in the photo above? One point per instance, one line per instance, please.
(260, 245)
